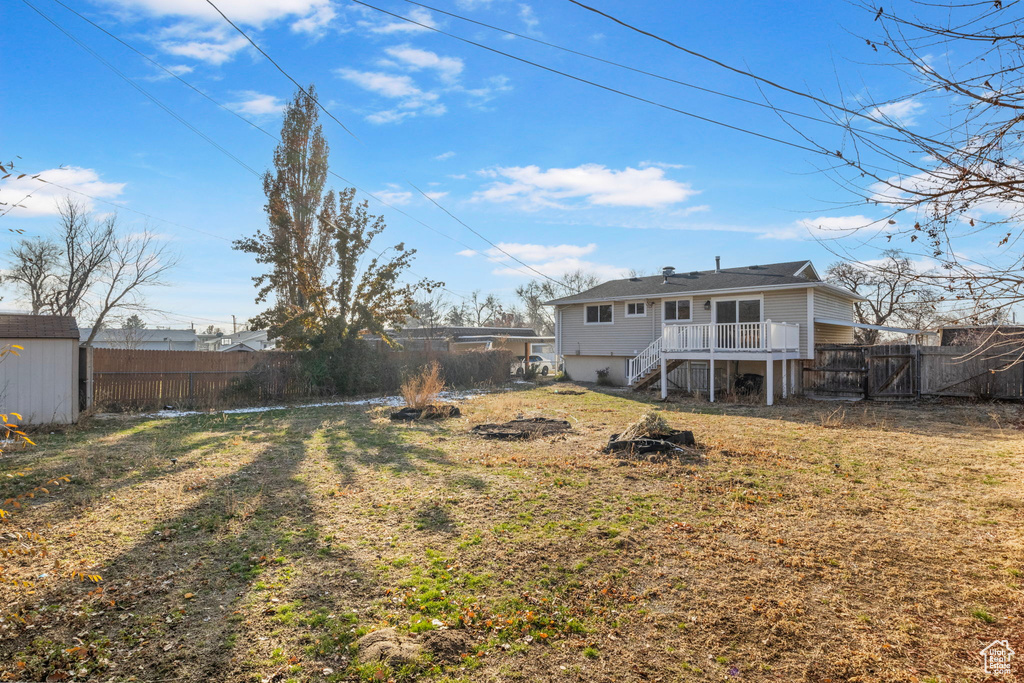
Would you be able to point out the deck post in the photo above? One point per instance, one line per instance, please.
(769, 380)
(785, 379)
(664, 377)
(711, 376)
(792, 377)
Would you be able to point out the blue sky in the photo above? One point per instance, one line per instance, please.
(560, 173)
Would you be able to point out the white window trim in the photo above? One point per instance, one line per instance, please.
(633, 315)
(737, 299)
(586, 306)
(677, 320)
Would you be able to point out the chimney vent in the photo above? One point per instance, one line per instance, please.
(718, 264)
(668, 271)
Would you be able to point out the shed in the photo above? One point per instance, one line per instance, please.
(41, 382)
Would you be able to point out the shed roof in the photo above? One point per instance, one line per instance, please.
(19, 326)
(145, 334)
(769, 276)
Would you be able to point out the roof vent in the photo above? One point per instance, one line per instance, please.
(668, 271)
(753, 267)
(718, 264)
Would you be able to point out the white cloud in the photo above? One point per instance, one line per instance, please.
(214, 45)
(389, 27)
(44, 196)
(436, 195)
(661, 164)
(598, 185)
(257, 104)
(528, 18)
(447, 68)
(902, 113)
(252, 12)
(828, 227)
(445, 156)
(553, 260)
(394, 196)
(411, 100)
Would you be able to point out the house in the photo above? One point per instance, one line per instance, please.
(143, 339)
(245, 340)
(41, 382)
(694, 330)
(523, 341)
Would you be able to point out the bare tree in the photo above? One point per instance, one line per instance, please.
(944, 159)
(893, 291)
(33, 265)
(90, 268)
(533, 294)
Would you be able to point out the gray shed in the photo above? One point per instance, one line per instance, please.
(41, 382)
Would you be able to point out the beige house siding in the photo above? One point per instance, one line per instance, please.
(41, 383)
(629, 336)
(833, 306)
(833, 334)
(584, 368)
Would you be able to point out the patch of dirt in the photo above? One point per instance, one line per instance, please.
(568, 392)
(448, 645)
(524, 428)
(388, 645)
(441, 412)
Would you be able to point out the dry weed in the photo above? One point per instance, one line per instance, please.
(422, 389)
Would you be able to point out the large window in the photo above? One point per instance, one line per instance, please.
(600, 314)
(677, 310)
(636, 309)
(738, 311)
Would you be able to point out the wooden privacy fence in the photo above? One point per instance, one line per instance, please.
(908, 371)
(124, 378)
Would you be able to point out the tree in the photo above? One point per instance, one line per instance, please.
(895, 295)
(297, 245)
(134, 331)
(33, 266)
(90, 268)
(944, 158)
(533, 294)
(324, 291)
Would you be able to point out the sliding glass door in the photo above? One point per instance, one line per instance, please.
(739, 333)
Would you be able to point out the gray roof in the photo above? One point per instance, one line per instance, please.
(704, 281)
(450, 331)
(38, 327)
(143, 335)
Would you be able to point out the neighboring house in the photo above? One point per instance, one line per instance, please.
(41, 382)
(246, 340)
(717, 324)
(143, 339)
(523, 341)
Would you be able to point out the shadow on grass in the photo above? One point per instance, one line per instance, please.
(191, 599)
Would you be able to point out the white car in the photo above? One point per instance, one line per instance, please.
(542, 365)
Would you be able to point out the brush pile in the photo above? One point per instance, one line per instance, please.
(652, 434)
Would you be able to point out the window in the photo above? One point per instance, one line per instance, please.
(677, 310)
(738, 311)
(636, 309)
(600, 314)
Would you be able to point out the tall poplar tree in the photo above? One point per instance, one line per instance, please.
(323, 291)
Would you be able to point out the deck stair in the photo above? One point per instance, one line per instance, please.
(654, 374)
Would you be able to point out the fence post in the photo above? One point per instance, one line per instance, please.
(191, 392)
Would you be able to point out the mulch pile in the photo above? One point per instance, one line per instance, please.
(525, 428)
(650, 438)
(440, 412)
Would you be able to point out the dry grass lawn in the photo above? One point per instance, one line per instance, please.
(812, 542)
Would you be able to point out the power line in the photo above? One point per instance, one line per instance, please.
(633, 69)
(323, 108)
(278, 67)
(142, 90)
(595, 84)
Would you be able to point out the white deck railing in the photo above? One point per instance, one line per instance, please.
(647, 360)
(766, 336)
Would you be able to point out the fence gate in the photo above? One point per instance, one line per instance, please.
(838, 371)
(892, 371)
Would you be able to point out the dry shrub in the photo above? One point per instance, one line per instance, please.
(422, 388)
(650, 424)
(834, 419)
